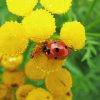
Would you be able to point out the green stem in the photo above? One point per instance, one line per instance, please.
(27, 54)
(71, 15)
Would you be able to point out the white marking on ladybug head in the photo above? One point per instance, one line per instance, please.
(55, 45)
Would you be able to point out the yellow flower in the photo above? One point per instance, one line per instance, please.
(67, 96)
(40, 65)
(33, 72)
(21, 7)
(23, 91)
(59, 82)
(73, 34)
(13, 78)
(56, 6)
(39, 94)
(45, 64)
(5, 93)
(40, 24)
(13, 39)
(1, 55)
(11, 62)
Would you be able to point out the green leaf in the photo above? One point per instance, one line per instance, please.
(90, 10)
(27, 54)
(91, 86)
(37, 83)
(73, 68)
(91, 63)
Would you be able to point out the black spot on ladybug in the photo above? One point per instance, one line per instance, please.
(55, 58)
(55, 42)
(48, 51)
(66, 47)
(57, 49)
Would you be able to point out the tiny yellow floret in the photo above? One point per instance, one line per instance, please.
(39, 94)
(57, 6)
(73, 34)
(13, 78)
(59, 82)
(47, 65)
(11, 63)
(32, 72)
(21, 7)
(23, 91)
(13, 39)
(66, 96)
(40, 24)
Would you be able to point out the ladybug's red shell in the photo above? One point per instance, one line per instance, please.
(57, 50)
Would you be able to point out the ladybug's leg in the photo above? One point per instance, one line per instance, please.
(44, 49)
(36, 51)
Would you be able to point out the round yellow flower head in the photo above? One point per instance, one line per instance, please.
(73, 34)
(13, 78)
(56, 6)
(11, 62)
(67, 96)
(21, 7)
(40, 24)
(39, 94)
(59, 82)
(33, 72)
(3, 91)
(1, 55)
(13, 39)
(6, 93)
(45, 64)
(23, 91)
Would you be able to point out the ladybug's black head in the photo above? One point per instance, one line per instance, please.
(46, 50)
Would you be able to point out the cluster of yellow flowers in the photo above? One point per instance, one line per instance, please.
(37, 25)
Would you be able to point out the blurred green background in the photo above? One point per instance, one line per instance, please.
(84, 65)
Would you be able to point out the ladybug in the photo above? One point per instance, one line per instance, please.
(57, 50)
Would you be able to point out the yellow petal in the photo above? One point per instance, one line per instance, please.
(33, 72)
(59, 82)
(45, 64)
(73, 34)
(13, 78)
(3, 91)
(1, 55)
(56, 6)
(13, 39)
(21, 7)
(23, 91)
(67, 96)
(11, 62)
(6, 93)
(40, 25)
(39, 94)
